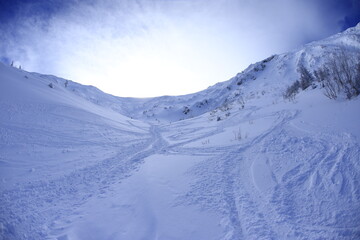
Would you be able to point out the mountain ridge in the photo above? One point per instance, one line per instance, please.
(162, 108)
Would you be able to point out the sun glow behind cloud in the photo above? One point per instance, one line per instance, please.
(162, 47)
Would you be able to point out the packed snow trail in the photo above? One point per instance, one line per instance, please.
(68, 192)
(39, 203)
(145, 198)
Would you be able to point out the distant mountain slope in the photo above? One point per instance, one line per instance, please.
(270, 76)
(45, 114)
(52, 142)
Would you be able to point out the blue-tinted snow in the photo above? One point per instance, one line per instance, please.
(235, 161)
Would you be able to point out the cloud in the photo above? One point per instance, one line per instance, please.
(155, 47)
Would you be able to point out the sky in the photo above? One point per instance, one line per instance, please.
(147, 48)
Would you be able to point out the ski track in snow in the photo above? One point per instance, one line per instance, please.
(282, 184)
(283, 187)
(31, 206)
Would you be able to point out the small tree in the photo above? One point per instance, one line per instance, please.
(237, 134)
(306, 78)
(357, 76)
(331, 89)
(186, 110)
(321, 75)
(292, 90)
(340, 75)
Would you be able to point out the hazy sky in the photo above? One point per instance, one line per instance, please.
(143, 48)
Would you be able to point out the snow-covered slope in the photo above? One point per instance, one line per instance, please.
(243, 163)
(270, 76)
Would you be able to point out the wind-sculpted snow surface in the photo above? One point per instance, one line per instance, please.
(290, 182)
(243, 163)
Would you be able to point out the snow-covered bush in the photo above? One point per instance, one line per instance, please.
(305, 81)
(186, 110)
(306, 78)
(340, 75)
(292, 90)
(237, 135)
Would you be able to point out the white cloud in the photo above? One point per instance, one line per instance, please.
(149, 48)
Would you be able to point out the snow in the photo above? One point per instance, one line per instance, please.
(143, 205)
(243, 163)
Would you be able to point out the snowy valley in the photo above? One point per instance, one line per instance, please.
(234, 161)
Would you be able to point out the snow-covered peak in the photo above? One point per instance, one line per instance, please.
(264, 79)
(353, 29)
